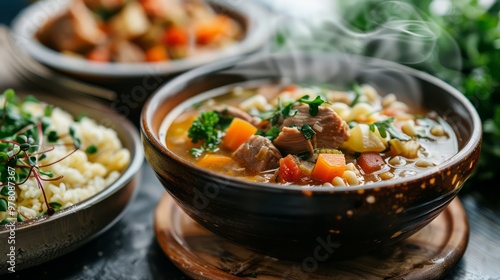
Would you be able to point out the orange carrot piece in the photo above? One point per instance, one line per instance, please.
(289, 170)
(370, 162)
(100, 54)
(156, 53)
(207, 31)
(290, 88)
(214, 161)
(328, 166)
(175, 36)
(238, 132)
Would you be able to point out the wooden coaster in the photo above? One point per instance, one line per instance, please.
(429, 254)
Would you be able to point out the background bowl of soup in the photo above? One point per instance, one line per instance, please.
(289, 220)
(101, 40)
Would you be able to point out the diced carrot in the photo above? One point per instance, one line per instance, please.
(290, 88)
(214, 161)
(289, 170)
(175, 36)
(328, 166)
(156, 53)
(207, 31)
(101, 54)
(238, 132)
(370, 162)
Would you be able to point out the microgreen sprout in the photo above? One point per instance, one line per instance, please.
(22, 148)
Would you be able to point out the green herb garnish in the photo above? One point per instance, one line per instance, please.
(313, 105)
(386, 126)
(92, 149)
(21, 146)
(357, 94)
(307, 131)
(207, 128)
(271, 134)
(55, 205)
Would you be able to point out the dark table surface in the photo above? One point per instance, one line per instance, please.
(128, 250)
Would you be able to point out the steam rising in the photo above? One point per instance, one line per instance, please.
(399, 33)
(396, 32)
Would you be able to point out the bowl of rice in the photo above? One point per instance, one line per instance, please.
(69, 169)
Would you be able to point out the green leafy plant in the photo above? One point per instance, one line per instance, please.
(459, 40)
(472, 28)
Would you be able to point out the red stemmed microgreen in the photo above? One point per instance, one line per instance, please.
(22, 147)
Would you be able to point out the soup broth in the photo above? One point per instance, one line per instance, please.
(310, 135)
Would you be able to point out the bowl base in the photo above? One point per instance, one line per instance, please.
(429, 254)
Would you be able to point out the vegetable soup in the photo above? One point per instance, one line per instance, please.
(310, 135)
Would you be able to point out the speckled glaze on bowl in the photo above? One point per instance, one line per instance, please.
(292, 222)
(43, 239)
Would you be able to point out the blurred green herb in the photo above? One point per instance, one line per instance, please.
(472, 30)
(385, 127)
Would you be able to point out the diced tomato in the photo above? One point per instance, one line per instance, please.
(370, 162)
(175, 36)
(289, 170)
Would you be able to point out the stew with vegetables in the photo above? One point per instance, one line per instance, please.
(311, 135)
(132, 31)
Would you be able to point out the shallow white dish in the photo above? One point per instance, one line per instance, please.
(255, 19)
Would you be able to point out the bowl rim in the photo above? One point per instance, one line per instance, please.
(168, 90)
(134, 166)
(29, 20)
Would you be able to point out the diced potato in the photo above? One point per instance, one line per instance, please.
(362, 139)
(360, 110)
(131, 22)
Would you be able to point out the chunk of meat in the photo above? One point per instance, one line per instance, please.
(291, 141)
(171, 10)
(331, 130)
(104, 4)
(125, 51)
(73, 31)
(258, 154)
(238, 113)
(270, 91)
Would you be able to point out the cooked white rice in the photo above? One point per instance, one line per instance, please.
(83, 174)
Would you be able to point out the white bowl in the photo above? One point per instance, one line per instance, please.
(255, 19)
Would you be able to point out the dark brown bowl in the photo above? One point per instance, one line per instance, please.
(287, 221)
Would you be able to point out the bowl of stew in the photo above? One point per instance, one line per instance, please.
(123, 39)
(287, 153)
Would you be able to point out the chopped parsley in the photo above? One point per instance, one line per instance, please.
(313, 105)
(307, 131)
(357, 94)
(386, 126)
(209, 129)
(271, 134)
